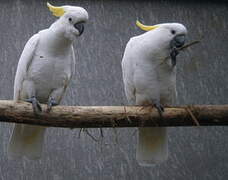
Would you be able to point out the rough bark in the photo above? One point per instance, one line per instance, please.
(114, 116)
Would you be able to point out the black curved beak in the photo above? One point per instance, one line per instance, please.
(80, 27)
(178, 41)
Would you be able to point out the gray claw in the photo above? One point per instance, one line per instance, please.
(160, 108)
(51, 102)
(35, 104)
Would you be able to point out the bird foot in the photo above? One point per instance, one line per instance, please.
(160, 108)
(50, 104)
(35, 105)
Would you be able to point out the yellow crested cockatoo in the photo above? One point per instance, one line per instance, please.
(150, 79)
(44, 71)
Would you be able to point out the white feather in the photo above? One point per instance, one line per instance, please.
(45, 69)
(149, 79)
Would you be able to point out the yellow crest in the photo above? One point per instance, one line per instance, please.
(56, 11)
(144, 27)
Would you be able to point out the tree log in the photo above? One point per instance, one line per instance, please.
(114, 116)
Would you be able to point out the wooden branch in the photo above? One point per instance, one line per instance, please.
(114, 116)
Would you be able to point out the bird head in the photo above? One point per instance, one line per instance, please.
(71, 21)
(173, 34)
(170, 36)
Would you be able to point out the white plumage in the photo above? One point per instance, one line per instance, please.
(150, 79)
(44, 71)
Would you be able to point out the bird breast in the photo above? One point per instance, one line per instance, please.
(50, 72)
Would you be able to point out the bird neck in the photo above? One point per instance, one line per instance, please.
(153, 48)
(56, 37)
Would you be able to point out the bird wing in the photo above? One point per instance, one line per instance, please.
(23, 64)
(127, 71)
(72, 62)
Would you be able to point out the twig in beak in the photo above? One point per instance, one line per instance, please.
(188, 45)
(183, 48)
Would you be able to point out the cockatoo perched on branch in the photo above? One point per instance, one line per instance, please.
(150, 79)
(44, 71)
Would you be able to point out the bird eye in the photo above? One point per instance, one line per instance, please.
(70, 19)
(173, 32)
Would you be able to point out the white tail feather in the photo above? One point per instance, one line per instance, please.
(26, 140)
(152, 146)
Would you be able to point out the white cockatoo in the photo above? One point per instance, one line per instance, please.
(149, 75)
(44, 71)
